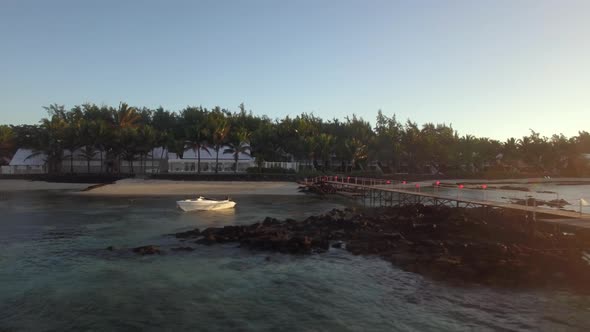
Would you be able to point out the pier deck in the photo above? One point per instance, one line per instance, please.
(569, 218)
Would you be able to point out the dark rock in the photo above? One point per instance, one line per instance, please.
(110, 248)
(183, 249)
(147, 250)
(188, 234)
(493, 247)
(514, 188)
(207, 240)
(269, 221)
(338, 244)
(558, 203)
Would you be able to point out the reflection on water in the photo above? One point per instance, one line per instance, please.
(55, 274)
(540, 191)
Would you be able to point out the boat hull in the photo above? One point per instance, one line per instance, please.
(205, 205)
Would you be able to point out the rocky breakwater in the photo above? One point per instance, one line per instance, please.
(491, 247)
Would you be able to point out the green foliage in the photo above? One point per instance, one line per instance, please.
(7, 143)
(351, 145)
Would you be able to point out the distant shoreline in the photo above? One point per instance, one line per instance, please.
(20, 185)
(139, 187)
(290, 177)
(568, 181)
(157, 187)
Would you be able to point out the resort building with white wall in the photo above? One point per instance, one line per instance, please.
(226, 161)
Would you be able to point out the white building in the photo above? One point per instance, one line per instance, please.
(26, 161)
(188, 163)
(288, 165)
(155, 162)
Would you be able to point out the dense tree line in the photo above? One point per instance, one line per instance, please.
(130, 133)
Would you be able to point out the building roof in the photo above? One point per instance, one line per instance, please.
(209, 155)
(27, 157)
(79, 154)
(159, 153)
(156, 153)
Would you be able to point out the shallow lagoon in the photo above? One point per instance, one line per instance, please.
(55, 274)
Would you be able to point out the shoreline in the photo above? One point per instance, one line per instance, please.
(138, 187)
(556, 181)
(163, 187)
(146, 188)
(19, 185)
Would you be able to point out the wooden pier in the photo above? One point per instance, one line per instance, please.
(378, 192)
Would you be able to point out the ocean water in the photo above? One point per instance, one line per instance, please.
(55, 275)
(540, 191)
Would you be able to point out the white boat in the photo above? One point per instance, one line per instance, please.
(204, 204)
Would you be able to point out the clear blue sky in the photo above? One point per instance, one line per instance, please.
(490, 68)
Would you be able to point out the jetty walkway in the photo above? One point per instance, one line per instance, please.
(380, 192)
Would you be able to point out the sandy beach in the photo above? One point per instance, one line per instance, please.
(141, 187)
(138, 187)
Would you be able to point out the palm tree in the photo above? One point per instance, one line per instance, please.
(50, 142)
(220, 130)
(176, 145)
(73, 134)
(266, 144)
(129, 145)
(466, 152)
(238, 144)
(126, 116)
(123, 118)
(69, 123)
(146, 140)
(176, 137)
(414, 145)
(163, 122)
(310, 144)
(103, 135)
(357, 151)
(582, 142)
(88, 153)
(532, 148)
(324, 143)
(387, 144)
(7, 144)
(198, 141)
(562, 152)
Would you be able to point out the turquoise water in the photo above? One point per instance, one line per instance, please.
(55, 275)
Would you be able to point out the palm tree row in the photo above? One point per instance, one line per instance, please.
(127, 133)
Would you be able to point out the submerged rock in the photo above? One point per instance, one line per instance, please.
(338, 245)
(484, 246)
(493, 247)
(188, 234)
(183, 249)
(147, 250)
